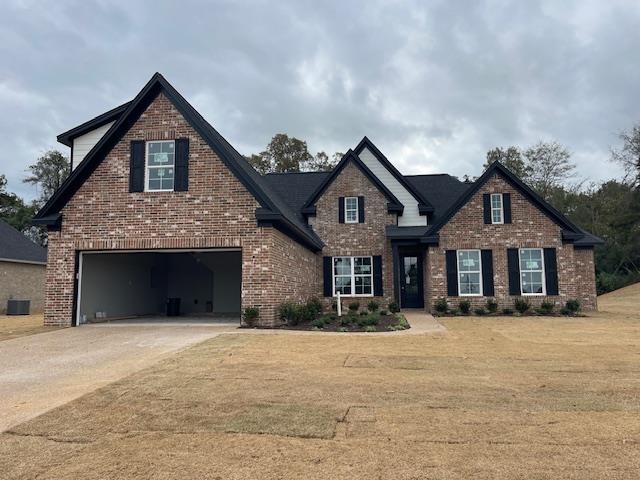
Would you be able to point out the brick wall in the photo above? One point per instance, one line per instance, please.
(22, 281)
(217, 211)
(529, 228)
(355, 239)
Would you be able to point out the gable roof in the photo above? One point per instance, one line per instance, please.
(441, 190)
(394, 204)
(15, 247)
(112, 115)
(295, 188)
(273, 211)
(424, 206)
(570, 233)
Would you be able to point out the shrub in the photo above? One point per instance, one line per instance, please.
(480, 311)
(371, 319)
(346, 320)
(373, 306)
(492, 305)
(343, 329)
(522, 305)
(507, 311)
(314, 305)
(318, 323)
(354, 306)
(289, 312)
(370, 328)
(454, 311)
(465, 307)
(565, 311)
(393, 307)
(250, 316)
(383, 312)
(441, 305)
(307, 313)
(573, 305)
(546, 308)
(328, 317)
(363, 313)
(402, 323)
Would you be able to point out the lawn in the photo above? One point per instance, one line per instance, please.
(492, 398)
(13, 326)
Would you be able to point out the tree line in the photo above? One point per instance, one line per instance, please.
(608, 209)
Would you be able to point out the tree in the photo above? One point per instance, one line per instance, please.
(48, 173)
(321, 163)
(260, 163)
(548, 166)
(629, 155)
(17, 213)
(510, 157)
(286, 154)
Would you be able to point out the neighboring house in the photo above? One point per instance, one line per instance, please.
(22, 269)
(159, 205)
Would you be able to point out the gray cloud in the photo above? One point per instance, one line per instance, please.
(434, 85)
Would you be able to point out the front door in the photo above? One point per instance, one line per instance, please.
(411, 295)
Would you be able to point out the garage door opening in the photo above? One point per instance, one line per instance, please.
(159, 285)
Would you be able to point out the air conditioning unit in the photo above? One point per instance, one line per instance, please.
(18, 307)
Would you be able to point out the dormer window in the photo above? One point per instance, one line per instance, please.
(497, 211)
(351, 209)
(160, 166)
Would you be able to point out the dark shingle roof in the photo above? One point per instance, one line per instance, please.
(442, 191)
(15, 246)
(295, 188)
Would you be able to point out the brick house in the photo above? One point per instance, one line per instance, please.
(22, 269)
(160, 208)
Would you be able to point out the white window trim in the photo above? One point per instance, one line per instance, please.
(479, 272)
(357, 219)
(147, 177)
(501, 209)
(353, 276)
(544, 278)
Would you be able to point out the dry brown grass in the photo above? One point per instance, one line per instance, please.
(13, 326)
(492, 398)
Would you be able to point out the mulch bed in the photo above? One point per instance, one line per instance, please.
(383, 325)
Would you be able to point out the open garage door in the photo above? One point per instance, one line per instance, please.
(158, 285)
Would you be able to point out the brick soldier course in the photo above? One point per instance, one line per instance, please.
(283, 243)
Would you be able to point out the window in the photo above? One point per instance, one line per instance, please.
(351, 210)
(469, 272)
(160, 166)
(532, 271)
(353, 276)
(496, 208)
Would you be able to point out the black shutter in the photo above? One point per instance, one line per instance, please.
(506, 207)
(377, 276)
(452, 273)
(360, 209)
(136, 166)
(327, 266)
(513, 265)
(551, 271)
(341, 209)
(487, 272)
(181, 183)
(486, 202)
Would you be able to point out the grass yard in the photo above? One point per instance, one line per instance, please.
(494, 398)
(13, 326)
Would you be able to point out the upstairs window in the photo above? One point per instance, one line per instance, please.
(351, 209)
(160, 166)
(497, 212)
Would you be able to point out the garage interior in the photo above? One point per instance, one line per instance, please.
(161, 285)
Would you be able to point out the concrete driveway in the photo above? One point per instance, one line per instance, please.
(41, 372)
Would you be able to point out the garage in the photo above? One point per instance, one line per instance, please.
(158, 285)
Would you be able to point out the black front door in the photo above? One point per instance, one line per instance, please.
(411, 291)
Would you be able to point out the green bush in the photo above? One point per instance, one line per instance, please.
(522, 305)
(346, 320)
(565, 311)
(393, 307)
(328, 317)
(373, 306)
(383, 312)
(307, 313)
(441, 305)
(465, 307)
(318, 323)
(343, 329)
(250, 316)
(480, 311)
(546, 308)
(314, 305)
(370, 328)
(289, 313)
(363, 313)
(507, 311)
(402, 323)
(354, 306)
(492, 305)
(371, 319)
(573, 305)
(454, 311)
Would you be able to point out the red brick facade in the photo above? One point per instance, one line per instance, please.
(217, 211)
(529, 228)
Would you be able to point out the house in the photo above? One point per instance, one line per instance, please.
(22, 269)
(160, 208)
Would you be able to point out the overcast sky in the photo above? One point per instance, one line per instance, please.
(433, 84)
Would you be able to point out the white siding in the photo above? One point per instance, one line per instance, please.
(84, 143)
(410, 217)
